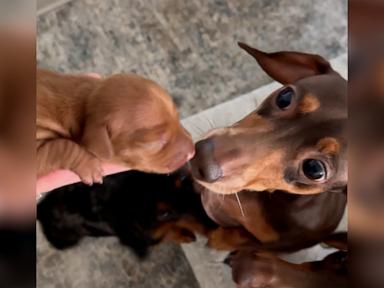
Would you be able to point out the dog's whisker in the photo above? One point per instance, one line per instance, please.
(220, 202)
(241, 207)
(222, 199)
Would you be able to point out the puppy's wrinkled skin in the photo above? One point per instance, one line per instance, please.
(267, 150)
(123, 119)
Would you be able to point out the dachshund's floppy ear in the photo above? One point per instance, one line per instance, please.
(96, 140)
(289, 67)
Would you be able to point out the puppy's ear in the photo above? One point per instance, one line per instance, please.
(97, 141)
(289, 67)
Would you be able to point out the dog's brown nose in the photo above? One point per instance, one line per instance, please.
(204, 166)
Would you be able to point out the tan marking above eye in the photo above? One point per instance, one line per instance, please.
(328, 145)
(309, 103)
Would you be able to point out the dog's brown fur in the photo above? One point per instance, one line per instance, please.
(251, 269)
(123, 119)
(265, 150)
(272, 222)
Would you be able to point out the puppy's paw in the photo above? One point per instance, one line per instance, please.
(90, 171)
(217, 240)
(228, 239)
(184, 236)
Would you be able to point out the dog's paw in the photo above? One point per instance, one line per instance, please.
(90, 171)
(228, 239)
(217, 240)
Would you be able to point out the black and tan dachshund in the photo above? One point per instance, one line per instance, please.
(140, 209)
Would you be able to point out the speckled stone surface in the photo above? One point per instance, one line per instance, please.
(190, 48)
(187, 46)
(104, 263)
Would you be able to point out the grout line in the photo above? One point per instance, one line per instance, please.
(50, 6)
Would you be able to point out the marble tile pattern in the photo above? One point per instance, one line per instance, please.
(104, 263)
(190, 48)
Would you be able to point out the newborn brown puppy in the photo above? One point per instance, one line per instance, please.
(122, 119)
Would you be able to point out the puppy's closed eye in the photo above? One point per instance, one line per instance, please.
(153, 139)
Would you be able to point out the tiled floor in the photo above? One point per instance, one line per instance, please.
(190, 48)
(45, 6)
(103, 263)
(187, 46)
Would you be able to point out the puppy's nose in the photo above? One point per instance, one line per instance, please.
(183, 151)
(204, 166)
(191, 153)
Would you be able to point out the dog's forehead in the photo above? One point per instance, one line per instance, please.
(329, 89)
(322, 97)
(314, 132)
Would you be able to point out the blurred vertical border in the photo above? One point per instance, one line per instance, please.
(366, 141)
(17, 148)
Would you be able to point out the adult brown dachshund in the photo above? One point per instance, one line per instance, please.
(295, 141)
(122, 119)
(293, 145)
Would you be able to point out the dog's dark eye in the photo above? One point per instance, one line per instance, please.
(314, 169)
(284, 99)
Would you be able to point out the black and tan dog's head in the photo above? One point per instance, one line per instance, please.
(295, 141)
